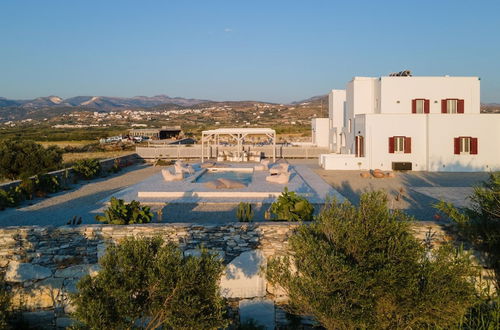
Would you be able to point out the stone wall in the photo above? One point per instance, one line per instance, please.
(43, 264)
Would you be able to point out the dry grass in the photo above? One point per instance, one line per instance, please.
(71, 157)
(63, 144)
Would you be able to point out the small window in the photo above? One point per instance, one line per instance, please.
(451, 106)
(420, 106)
(399, 144)
(465, 145)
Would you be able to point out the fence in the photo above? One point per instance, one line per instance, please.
(194, 151)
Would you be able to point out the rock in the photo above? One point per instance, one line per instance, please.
(259, 311)
(242, 277)
(101, 250)
(197, 253)
(78, 271)
(22, 272)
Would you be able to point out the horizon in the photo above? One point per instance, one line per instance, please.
(278, 52)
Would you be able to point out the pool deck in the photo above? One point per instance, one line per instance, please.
(304, 181)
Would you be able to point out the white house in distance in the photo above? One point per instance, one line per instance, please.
(401, 122)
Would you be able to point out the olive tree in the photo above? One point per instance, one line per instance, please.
(147, 283)
(361, 267)
(20, 158)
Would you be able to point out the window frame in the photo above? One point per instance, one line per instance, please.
(402, 144)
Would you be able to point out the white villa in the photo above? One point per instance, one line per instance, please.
(401, 122)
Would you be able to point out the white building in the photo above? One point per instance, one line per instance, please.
(414, 123)
(320, 128)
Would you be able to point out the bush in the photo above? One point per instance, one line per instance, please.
(146, 279)
(87, 168)
(244, 212)
(362, 268)
(480, 223)
(5, 300)
(121, 213)
(291, 207)
(6, 199)
(20, 158)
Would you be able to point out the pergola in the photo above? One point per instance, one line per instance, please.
(237, 134)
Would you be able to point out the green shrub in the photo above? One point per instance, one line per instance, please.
(46, 184)
(116, 167)
(485, 314)
(480, 223)
(361, 268)
(8, 198)
(148, 279)
(5, 300)
(291, 207)
(87, 168)
(121, 213)
(22, 158)
(244, 212)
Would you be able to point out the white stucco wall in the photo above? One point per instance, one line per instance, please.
(405, 89)
(336, 104)
(320, 132)
(442, 130)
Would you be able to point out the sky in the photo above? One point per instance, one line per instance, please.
(277, 51)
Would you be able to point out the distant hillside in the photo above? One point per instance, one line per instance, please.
(314, 100)
(490, 108)
(99, 102)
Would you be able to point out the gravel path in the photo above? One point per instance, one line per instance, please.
(82, 200)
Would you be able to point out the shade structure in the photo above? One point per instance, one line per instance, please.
(238, 134)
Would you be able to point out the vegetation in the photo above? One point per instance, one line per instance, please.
(121, 213)
(360, 267)
(147, 279)
(291, 207)
(23, 158)
(480, 223)
(5, 299)
(87, 168)
(244, 212)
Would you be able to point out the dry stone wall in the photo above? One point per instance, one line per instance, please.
(42, 265)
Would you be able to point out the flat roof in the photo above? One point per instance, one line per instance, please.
(242, 130)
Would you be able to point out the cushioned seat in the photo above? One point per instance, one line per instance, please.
(280, 168)
(281, 178)
(223, 183)
(168, 176)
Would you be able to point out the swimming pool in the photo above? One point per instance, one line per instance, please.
(243, 175)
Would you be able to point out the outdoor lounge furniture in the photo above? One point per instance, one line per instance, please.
(280, 168)
(281, 178)
(180, 167)
(168, 176)
(207, 164)
(263, 166)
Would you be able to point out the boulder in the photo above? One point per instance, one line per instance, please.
(78, 271)
(22, 272)
(258, 311)
(242, 277)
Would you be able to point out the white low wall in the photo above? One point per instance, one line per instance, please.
(343, 162)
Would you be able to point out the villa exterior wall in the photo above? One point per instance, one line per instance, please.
(380, 109)
(43, 264)
(320, 132)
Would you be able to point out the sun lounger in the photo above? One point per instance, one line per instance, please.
(168, 176)
(281, 178)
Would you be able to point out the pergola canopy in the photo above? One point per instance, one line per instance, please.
(238, 134)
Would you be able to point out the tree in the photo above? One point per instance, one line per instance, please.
(360, 267)
(121, 213)
(147, 283)
(20, 158)
(480, 223)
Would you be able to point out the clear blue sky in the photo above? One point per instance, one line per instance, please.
(233, 50)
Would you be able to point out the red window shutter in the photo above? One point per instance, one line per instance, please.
(426, 106)
(473, 146)
(391, 145)
(460, 106)
(413, 106)
(443, 106)
(456, 146)
(407, 145)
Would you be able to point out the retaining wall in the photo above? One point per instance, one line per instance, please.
(43, 264)
(67, 175)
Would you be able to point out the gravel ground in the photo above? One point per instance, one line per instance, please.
(82, 200)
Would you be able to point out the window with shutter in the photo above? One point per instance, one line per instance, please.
(460, 106)
(473, 146)
(465, 145)
(399, 144)
(407, 146)
(391, 145)
(456, 146)
(427, 106)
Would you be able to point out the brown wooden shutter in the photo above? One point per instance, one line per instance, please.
(391, 145)
(460, 106)
(426, 106)
(443, 106)
(473, 146)
(456, 146)
(407, 145)
(414, 106)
